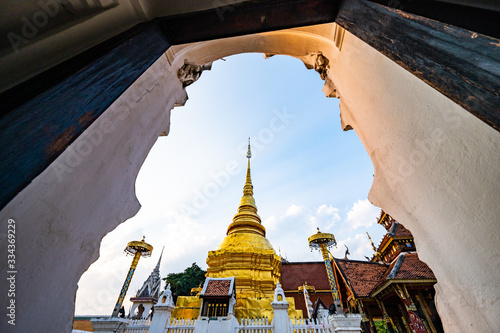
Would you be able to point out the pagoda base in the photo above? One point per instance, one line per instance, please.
(253, 307)
(246, 307)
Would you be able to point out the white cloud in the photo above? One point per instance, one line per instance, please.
(294, 210)
(362, 214)
(324, 218)
(271, 223)
(290, 231)
(328, 210)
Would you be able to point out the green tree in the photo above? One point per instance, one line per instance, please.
(381, 326)
(181, 283)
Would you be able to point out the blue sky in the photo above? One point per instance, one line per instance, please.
(306, 173)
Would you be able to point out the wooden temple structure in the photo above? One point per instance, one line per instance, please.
(393, 286)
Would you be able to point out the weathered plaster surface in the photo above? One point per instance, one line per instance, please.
(436, 171)
(64, 213)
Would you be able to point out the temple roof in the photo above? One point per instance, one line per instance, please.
(365, 277)
(410, 267)
(218, 287)
(150, 287)
(294, 274)
(362, 276)
(399, 232)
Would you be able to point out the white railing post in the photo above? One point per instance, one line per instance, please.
(162, 312)
(281, 322)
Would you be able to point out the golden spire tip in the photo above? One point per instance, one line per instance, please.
(249, 151)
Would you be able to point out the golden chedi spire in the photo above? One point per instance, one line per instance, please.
(247, 219)
(246, 254)
(246, 238)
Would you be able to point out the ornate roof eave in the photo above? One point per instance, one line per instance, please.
(382, 217)
(316, 291)
(389, 282)
(390, 241)
(344, 278)
(144, 299)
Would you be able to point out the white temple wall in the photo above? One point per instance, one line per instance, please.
(85, 193)
(436, 171)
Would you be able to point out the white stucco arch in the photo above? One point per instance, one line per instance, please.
(435, 169)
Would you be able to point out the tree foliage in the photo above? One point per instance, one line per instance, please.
(381, 326)
(181, 283)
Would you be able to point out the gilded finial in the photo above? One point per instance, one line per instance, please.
(373, 245)
(249, 151)
(347, 253)
(248, 188)
(247, 218)
(377, 254)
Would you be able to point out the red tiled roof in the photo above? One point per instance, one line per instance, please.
(217, 288)
(362, 275)
(294, 275)
(401, 231)
(412, 269)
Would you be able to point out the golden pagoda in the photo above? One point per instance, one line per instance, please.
(248, 256)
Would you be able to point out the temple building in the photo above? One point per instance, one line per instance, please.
(246, 256)
(244, 273)
(394, 285)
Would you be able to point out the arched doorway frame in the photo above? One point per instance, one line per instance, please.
(89, 189)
